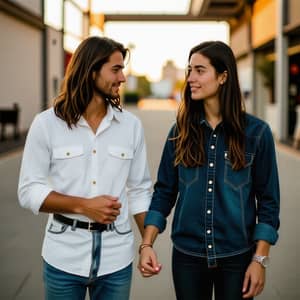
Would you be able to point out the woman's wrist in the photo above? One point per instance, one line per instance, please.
(144, 245)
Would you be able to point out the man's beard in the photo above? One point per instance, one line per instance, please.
(104, 95)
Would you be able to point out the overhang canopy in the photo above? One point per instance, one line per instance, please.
(199, 10)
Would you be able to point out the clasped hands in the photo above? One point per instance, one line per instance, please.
(148, 263)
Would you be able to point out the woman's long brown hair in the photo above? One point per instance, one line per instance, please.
(189, 139)
(78, 87)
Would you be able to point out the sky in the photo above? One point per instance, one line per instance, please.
(156, 42)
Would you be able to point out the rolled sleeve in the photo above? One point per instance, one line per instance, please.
(33, 185)
(157, 219)
(139, 181)
(265, 232)
(165, 188)
(267, 190)
(33, 197)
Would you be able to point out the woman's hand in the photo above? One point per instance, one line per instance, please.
(254, 280)
(148, 263)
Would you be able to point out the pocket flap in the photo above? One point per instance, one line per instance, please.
(120, 152)
(67, 152)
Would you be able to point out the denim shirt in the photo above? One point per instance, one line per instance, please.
(219, 212)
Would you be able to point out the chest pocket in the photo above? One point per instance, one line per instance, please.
(188, 176)
(68, 161)
(67, 152)
(119, 162)
(120, 152)
(237, 179)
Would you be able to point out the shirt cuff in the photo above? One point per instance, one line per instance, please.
(265, 232)
(139, 207)
(157, 219)
(38, 196)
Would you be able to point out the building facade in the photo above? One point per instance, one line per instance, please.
(266, 41)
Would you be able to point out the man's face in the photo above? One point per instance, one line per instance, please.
(108, 80)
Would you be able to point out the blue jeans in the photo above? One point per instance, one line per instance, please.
(193, 280)
(60, 285)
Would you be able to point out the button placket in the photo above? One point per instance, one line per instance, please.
(94, 164)
(210, 248)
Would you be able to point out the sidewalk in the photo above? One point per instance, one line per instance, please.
(11, 145)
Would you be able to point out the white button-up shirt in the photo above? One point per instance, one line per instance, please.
(81, 163)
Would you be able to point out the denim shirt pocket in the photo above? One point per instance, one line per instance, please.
(188, 176)
(237, 179)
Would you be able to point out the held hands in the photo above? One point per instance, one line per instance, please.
(254, 280)
(148, 263)
(103, 209)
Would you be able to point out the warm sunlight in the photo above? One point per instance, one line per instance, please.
(156, 42)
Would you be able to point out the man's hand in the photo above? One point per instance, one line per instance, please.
(254, 280)
(102, 209)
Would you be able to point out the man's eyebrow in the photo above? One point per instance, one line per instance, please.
(118, 66)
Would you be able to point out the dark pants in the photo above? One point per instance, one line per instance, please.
(193, 280)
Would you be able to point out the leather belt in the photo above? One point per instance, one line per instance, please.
(90, 226)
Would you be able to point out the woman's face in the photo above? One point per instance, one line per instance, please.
(203, 80)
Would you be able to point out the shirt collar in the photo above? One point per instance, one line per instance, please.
(111, 114)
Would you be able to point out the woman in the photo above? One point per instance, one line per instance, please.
(218, 169)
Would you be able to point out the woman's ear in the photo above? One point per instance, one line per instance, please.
(223, 77)
(94, 75)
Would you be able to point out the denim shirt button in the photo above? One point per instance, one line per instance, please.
(210, 190)
(208, 211)
(208, 231)
(211, 165)
(210, 182)
(212, 147)
(210, 246)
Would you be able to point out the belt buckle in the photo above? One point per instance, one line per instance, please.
(90, 227)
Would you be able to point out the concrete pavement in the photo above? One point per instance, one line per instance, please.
(21, 232)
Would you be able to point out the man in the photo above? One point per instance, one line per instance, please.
(85, 163)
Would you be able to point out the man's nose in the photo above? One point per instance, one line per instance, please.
(122, 77)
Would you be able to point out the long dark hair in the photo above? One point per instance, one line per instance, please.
(190, 138)
(77, 87)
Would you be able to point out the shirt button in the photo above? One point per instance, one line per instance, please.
(209, 246)
(214, 135)
(94, 182)
(208, 211)
(94, 151)
(122, 154)
(68, 153)
(212, 147)
(210, 182)
(208, 231)
(211, 165)
(210, 190)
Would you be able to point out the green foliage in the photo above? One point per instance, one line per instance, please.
(131, 97)
(143, 86)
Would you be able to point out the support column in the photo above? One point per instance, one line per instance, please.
(281, 72)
